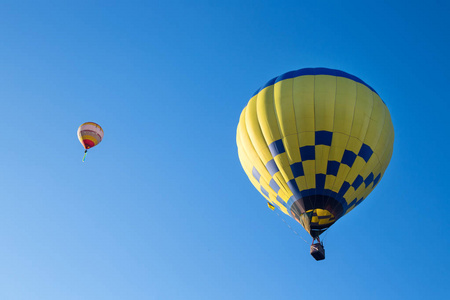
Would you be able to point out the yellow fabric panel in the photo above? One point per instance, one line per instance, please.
(309, 168)
(255, 133)
(344, 105)
(360, 190)
(303, 88)
(282, 208)
(339, 140)
(284, 191)
(306, 138)
(284, 194)
(265, 178)
(386, 158)
(340, 178)
(245, 142)
(284, 107)
(364, 191)
(255, 182)
(247, 146)
(270, 199)
(338, 145)
(336, 153)
(267, 118)
(369, 166)
(273, 199)
(355, 170)
(358, 194)
(376, 122)
(384, 137)
(324, 221)
(248, 170)
(301, 183)
(258, 134)
(292, 148)
(377, 170)
(247, 166)
(265, 185)
(367, 191)
(284, 166)
(321, 212)
(91, 123)
(321, 217)
(363, 110)
(324, 97)
(322, 152)
(284, 110)
(91, 138)
(348, 196)
(350, 209)
(354, 145)
(245, 162)
(310, 180)
(278, 178)
(329, 182)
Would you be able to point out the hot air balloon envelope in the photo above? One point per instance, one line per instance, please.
(90, 134)
(315, 142)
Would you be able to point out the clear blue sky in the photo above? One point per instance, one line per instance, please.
(162, 208)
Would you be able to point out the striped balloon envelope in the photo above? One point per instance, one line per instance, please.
(90, 135)
(315, 142)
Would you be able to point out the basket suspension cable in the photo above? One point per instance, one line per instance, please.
(290, 227)
(325, 235)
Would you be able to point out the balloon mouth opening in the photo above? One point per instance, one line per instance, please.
(88, 144)
(316, 213)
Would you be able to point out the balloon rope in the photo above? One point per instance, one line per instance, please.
(85, 152)
(291, 227)
(325, 235)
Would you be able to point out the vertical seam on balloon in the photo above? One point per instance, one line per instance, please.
(314, 103)
(281, 135)
(265, 140)
(245, 150)
(365, 133)
(296, 133)
(280, 131)
(299, 139)
(253, 145)
(328, 192)
(262, 179)
(391, 136)
(380, 161)
(293, 111)
(374, 153)
(351, 127)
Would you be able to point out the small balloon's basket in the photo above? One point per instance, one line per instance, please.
(317, 251)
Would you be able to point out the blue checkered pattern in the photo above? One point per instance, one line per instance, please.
(275, 187)
(309, 153)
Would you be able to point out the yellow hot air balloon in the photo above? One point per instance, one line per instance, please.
(90, 135)
(315, 142)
